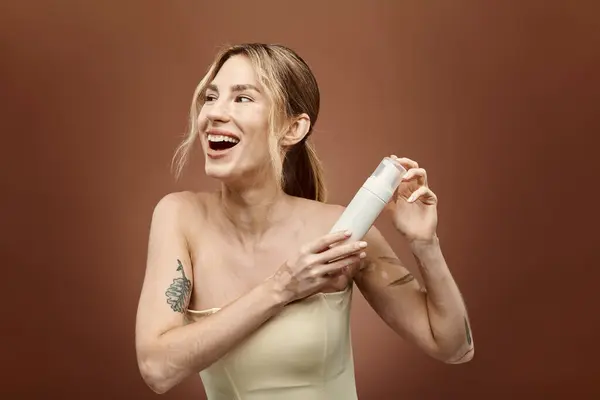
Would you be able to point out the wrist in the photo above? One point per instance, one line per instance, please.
(275, 291)
(424, 243)
(428, 255)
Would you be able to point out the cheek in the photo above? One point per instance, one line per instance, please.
(202, 121)
(250, 116)
(253, 122)
(261, 121)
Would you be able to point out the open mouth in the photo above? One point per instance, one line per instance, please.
(221, 142)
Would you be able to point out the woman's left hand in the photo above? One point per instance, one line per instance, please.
(414, 205)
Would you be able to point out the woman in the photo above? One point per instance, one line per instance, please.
(245, 286)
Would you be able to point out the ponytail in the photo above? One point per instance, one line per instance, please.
(303, 174)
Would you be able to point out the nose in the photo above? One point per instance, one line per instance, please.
(217, 111)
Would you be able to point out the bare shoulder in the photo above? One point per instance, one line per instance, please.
(330, 212)
(323, 214)
(180, 206)
(177, 202)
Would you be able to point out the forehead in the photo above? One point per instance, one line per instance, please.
(237, 70)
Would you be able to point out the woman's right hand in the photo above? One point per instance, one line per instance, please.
(317, 265)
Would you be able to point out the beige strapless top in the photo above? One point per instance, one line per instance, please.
(303, 353)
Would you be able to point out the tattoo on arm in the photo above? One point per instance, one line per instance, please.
(391, 260)
(401, 281)
(469, 341)
(468, 330)
(179, 291)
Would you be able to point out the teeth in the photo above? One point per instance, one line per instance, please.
(221, 138)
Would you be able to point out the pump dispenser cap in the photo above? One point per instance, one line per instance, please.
(385, 179)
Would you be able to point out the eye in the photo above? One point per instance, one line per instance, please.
(210, 97)
(243, 99)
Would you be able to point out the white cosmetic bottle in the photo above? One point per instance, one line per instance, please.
(370, 200)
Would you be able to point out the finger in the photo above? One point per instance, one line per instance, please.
(394, 197)
(351, 270)
(418, 174)
(340, 251)
(407, 163)
(324, 242)
(424, 194)
(391, 205)
(339, 265)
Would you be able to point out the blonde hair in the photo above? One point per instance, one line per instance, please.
(293, 90)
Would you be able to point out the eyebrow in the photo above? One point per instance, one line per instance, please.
(234, 88)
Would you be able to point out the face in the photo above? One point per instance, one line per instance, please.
(233, 122)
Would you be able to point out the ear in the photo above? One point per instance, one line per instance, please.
(297, 130)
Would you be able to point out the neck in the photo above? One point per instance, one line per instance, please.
(254, 208)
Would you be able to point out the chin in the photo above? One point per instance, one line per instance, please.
(234, 173)
(221, 171)
(228, 170)
(229, 166)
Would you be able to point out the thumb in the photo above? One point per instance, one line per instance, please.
(391, 204)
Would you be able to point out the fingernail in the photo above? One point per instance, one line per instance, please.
(362, 255)
(362, 245)
(347, 233)
(411, 199)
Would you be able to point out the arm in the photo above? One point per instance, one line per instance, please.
(168, 350)
(434, 317)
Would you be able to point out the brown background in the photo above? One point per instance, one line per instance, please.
(498, 100)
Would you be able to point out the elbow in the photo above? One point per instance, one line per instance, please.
(153, 374)
(462, 357)
(158, 387)
(449, 351)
